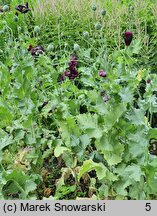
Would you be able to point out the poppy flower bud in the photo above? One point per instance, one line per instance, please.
(5, 8)
(85, 34)
(98, 26)
(103, 12)
(16, 19)
(131, 8)
(94, 7)
(128, 36)
(36, 29)
(19, 29)
(76, 47)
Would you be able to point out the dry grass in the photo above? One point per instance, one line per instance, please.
(155, 14)
(79, 7)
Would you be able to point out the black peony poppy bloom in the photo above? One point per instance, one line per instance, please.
(73, 61)
(23, 8)
(71, 71)
(128, 36)
(35, 51)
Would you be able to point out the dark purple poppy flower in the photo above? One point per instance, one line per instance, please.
(102, 73)
(128, 36)
(148, 81)
(73, 61)
(23, 8)
(35, 51)
(71, 71)
(73, 74)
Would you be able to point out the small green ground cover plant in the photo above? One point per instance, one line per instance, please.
(78, 100)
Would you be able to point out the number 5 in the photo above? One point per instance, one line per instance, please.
(148, 207)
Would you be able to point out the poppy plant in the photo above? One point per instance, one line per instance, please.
(128, 36)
